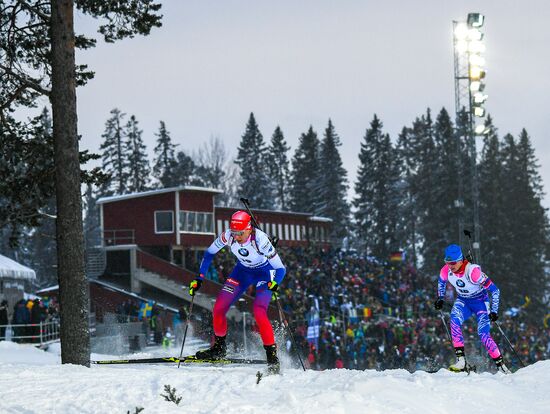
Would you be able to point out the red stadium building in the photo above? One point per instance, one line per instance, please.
(152, 242)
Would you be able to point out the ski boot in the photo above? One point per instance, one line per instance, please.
(461, 365)
(273, 364)
(501, 367)
(216, 351)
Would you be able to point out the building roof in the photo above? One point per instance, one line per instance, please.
(321, 219)
(10, 268)
(104, 200)
(263, 210)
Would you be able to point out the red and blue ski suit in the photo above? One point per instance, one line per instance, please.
(258, 263)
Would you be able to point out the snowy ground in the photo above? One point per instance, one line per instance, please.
(33, 381)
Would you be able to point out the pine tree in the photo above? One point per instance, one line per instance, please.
(27, 173)
(448, 170)
(509, 199)
(376, 198)
(466, 184)
(406, 227)
(38, 248)
(331, 188)
(305, 172)
(424, 185)
(41, 45)
(253, 161)
(92, 231)
(114, 157)
(526, 226)
(492, 216)
(184, 170)
(279, 168)
(137, 162)
(165, 160)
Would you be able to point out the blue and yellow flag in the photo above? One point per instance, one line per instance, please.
(145, 310)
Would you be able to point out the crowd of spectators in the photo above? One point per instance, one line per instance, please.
(345, 311)
(379, 315)
(27, 316)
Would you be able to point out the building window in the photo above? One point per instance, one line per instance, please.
(220, 226)
(164, 221)
(196, 222)
(298, 237)
(292, 227)
(280, 231)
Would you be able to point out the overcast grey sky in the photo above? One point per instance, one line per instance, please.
(296, 63)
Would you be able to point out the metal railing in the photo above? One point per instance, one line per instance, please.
(119, 236)
(41, 333)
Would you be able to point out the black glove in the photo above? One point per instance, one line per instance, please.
(493, 316)
(194, 286)
(438, 304)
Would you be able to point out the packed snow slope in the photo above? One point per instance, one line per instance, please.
(33, 381)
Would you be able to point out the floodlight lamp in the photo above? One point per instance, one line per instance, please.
(475, 34)
(479, 98)
(461, 46)
(480, 129)
(477, 86)
(461, 31)
(477, 60)
(476, 73)
(475, 19)
(479, 111)
(476, 46)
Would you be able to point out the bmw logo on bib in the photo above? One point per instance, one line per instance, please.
(460, 283)
(243, 252)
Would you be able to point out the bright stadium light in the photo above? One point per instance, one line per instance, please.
(461, 31)
(475, 34)
(476, 73)
(475, 19)
(479, 111)
(469, 69)
(462, 46)
(477, 86)
(476, 46)
(479, 98)
(477, 60)
(481, 129)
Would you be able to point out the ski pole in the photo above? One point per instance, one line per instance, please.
(186, 326)
(274, 240)
(247, 206)
(510, 344)
(468, 234)
(445, 325)
(285, 323)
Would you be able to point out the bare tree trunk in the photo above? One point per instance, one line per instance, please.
(73, 286)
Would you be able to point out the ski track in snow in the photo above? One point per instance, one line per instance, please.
(33, 381)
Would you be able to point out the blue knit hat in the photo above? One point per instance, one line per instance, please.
(453, 253)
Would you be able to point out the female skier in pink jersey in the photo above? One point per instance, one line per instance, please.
(472, 287)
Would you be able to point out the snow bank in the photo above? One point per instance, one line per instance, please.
(33, 381)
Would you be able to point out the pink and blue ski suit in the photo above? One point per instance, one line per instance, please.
(471, 285)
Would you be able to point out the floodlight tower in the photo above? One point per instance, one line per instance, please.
(469, 75)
